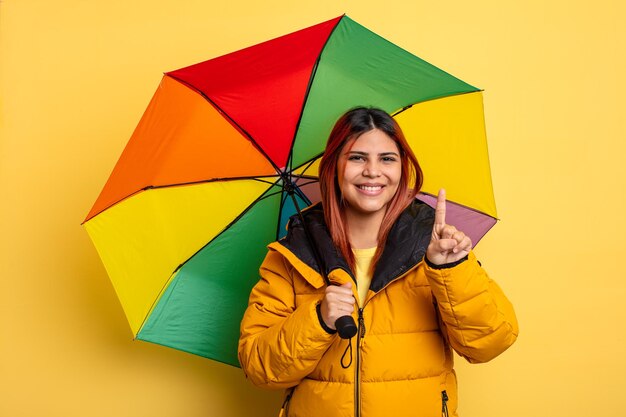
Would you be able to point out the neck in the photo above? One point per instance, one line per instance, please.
(363, 229)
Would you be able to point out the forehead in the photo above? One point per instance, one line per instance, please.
(373, 141)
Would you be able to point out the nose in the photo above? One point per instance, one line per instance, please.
(371, 170)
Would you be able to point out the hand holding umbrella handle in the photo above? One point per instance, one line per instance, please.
(336, 306)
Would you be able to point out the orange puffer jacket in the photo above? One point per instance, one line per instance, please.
(401, 361)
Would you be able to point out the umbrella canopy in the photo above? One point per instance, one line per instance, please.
(201, 188)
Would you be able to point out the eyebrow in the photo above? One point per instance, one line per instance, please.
(380, 154)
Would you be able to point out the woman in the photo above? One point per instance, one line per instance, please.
(412, 282)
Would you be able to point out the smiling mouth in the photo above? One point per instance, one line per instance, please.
(370, 188)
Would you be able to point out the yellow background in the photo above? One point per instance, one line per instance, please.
(76, 77)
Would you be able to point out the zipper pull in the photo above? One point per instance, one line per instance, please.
(285, 408)
(444, 403)
(361, 327)
(361, 324)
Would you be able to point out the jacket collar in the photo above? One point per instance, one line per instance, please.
(405, 247)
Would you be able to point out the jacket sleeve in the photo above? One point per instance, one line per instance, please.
(479, 321)
(279, 343)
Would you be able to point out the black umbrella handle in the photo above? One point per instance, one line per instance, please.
(346, 327)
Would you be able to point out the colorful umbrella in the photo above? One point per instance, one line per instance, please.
(182, 223)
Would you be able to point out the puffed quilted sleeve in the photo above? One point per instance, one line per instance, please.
(479, 320)
(279, 343)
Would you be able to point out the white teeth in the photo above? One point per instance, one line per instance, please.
(367, 188)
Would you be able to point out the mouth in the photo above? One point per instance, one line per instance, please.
(370, 190)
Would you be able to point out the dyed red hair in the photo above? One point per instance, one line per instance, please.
(351, 125)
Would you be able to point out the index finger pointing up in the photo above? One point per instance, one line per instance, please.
(440, 210)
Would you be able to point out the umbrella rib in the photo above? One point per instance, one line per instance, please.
(313, 181)
(230, 119)
(460, 205)
(225, 179)
(283, 199)
(156, 187)
(306, 94)
(309, 163)
(307, 177)
(235, 220)
(303, 196)
(439, 97)
(269, 195)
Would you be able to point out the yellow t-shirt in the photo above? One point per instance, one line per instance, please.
(363, 258)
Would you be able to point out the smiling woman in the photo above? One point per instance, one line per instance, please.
(416, 288)
(371, 159)
(369, 171)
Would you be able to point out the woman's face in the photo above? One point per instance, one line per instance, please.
(369, 171)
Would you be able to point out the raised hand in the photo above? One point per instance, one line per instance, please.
(447, 244)
(337, 302)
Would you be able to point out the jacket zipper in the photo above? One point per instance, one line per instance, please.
(444, 403)
(360, 334)
(284, 410)
(357, 371)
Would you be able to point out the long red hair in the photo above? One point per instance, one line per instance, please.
(351, 125)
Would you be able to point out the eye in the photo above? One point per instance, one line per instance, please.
(388, 159)
(356, 158)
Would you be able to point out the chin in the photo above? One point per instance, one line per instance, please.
(369, 209)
